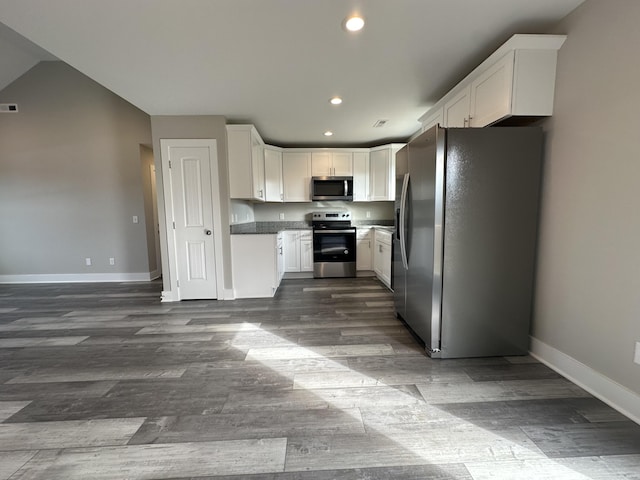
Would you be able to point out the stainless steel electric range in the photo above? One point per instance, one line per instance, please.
(334, 244)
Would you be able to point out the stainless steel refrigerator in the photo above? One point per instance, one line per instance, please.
(465, 243)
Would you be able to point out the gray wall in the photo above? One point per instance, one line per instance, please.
(588, 282)
(70, 176)
(194, 126)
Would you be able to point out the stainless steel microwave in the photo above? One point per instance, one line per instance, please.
(332, 188)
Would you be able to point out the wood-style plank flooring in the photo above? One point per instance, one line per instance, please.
(322, 382)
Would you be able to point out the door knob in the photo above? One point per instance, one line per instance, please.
(207, 232)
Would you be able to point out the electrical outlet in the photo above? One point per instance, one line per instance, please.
(87, 262)
(636, 357)
(281, 215)
(368, 214)
(112, 261)
(135, 219)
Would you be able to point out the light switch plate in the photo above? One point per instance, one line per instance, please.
(636, 357)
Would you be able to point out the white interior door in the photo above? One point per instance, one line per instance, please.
(192, 205)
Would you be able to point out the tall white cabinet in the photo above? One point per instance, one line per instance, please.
(273, 180)
(382, 172)
(296, 176)
(246, 162)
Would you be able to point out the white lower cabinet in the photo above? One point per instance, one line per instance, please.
(306, 251)
(298, 251)
(255, 264)
(364, 248)
(382, 256)
(280, 256)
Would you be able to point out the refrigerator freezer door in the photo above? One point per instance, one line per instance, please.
(425, 152)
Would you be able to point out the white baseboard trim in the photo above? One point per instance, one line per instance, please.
(169, 296)
(77, 278)
(154, 274)
(610, 392)
(228, 293)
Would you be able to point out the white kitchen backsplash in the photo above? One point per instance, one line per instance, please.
(241, 212)
(294, 212)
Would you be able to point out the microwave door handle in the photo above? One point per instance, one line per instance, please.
(346, 188)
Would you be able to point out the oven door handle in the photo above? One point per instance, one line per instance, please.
(344, 230)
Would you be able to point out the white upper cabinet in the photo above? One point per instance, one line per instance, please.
(435, 117)
(331, 164)
(521, 83)
(360, 176)
(382, 172)
(296, 176)
(273, 186)
(518, 79)
(456, 110)
(246, 163)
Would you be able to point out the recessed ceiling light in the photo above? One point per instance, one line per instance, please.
(354, 23)
(335, 101)
(328, 133)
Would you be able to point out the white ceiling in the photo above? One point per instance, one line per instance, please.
(273, 63)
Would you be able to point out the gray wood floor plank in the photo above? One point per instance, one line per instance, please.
(499, 390)
(9, 408)
(581, 468)
(145, 462)
(96, 374)
(142, 398)
(11, 462)
(626, 466)
(323, 398)
(226, 327)
(230, 426)
(68, 390)
(44, 435)
(615, 438)
(450, 471)
(465, 445)
(174, 338)
(40, 341)
(353, 379)
(327, 351)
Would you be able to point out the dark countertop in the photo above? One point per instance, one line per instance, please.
(267, 228)
(272, 228)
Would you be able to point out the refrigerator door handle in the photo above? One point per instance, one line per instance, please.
(403, 216)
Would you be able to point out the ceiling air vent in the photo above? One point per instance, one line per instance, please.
(8, 107)
(380, 123)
